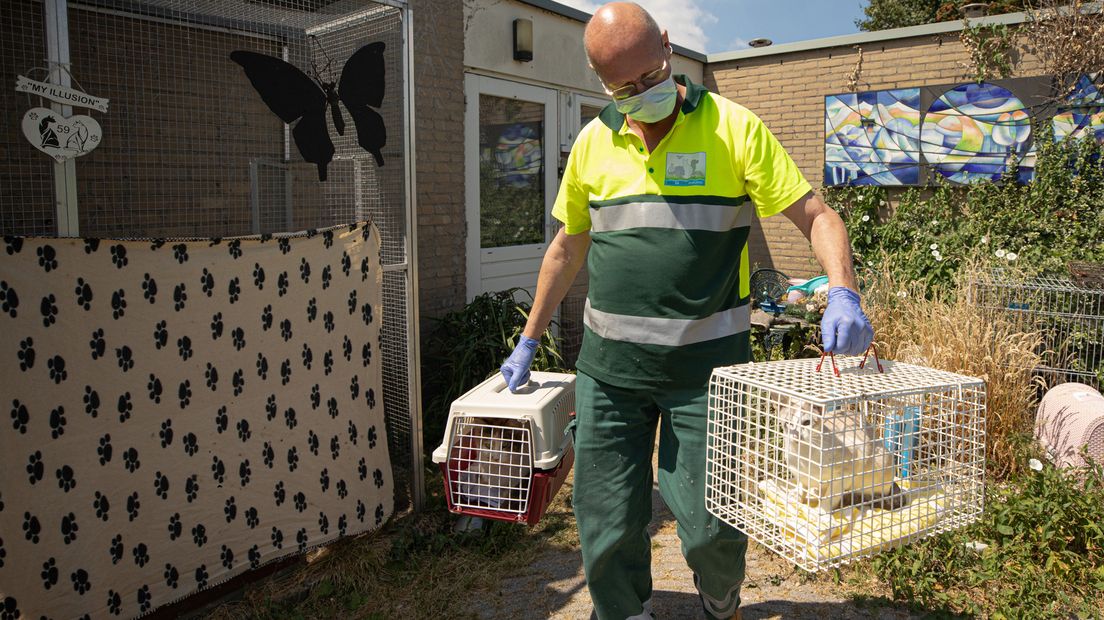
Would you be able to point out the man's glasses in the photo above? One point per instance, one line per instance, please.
(647, 80)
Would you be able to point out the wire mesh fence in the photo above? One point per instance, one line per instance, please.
(191, 149)
(825, 469)
(1069, 316)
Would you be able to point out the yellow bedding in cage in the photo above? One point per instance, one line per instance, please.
(820, 535)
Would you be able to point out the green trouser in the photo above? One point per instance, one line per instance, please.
(614, 436)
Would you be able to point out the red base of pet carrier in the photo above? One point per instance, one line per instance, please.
(544, 487)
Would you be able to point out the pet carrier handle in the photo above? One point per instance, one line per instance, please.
(862, 364)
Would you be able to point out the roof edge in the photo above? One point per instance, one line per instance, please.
(848, 40)
(582, 16)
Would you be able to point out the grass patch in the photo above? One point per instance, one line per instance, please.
(414, 567)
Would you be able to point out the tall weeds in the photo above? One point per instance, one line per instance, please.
(942, 329)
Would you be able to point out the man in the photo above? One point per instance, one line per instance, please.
(662, 189)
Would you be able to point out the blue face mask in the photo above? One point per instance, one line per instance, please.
(652, 105)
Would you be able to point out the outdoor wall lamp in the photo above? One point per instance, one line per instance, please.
(523, 40)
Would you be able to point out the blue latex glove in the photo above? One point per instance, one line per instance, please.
(844, 328)
(516, 367)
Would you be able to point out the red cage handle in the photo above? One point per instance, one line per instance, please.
(862, 364)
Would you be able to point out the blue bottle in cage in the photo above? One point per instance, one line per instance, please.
(901, 434)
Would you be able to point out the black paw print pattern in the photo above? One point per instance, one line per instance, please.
(49, 573)
(118, 304)
(178, 329)
(166, 434)
(144, 599)
(199, 535)
(282, 284)
(141, 554)
(149, 288)
(191, 444)
(101, 506)
(179, 297)
(47, 257)
(124, 356)
(125, 407)
(238, 381)
(103, 451)
(252, 518)
(172, 576)
(57, 422)
(119, 255)
(49, 310)
(98, 344)
(176, 528)
(9, 300)
(133, 505)
(26, 354)
(69, 528)
(56, 367)
(191, 488)
(20, 416)
(91, 400)
(84, 294)
(161, 486)
(80, 581)
(207, 283)
(36, 469)
(116, 549)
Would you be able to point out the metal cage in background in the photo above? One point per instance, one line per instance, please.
(824, 469)
(190, 149)
(1070, 317)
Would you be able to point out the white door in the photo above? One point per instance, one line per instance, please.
(510, 154)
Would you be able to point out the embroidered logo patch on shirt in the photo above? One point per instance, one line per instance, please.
(685, 169)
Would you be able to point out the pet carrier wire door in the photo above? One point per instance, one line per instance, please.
(506, 454)
(190, 149)
(824, 469)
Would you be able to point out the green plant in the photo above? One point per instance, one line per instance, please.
(468, 345)
(991, 48)
(926, 234)
(1044, 532)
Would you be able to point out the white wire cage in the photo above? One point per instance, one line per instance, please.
(1069, 316)
(504, 455)
(825, 469)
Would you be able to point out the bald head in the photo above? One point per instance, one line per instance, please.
(620, 29)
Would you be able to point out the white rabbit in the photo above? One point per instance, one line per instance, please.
(836, 460)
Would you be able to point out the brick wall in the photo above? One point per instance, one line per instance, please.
(787, 91)
(439, 132)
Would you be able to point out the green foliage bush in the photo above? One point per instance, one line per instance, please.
(1045, 556)
(467, 346)
(933, 231)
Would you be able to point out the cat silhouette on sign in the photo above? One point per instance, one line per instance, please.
(293, 96)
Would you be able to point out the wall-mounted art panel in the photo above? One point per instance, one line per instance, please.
(1083, 112)
(872, 138)
(974, 132)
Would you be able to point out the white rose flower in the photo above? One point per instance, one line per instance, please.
(866, 218)
(1011, 256)
(934, 246)
(1035, 464)
(999, 253)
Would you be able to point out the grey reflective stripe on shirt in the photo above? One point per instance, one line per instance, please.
(694, 216)
(667, 332)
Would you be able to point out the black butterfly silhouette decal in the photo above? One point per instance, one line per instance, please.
(292, 95)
